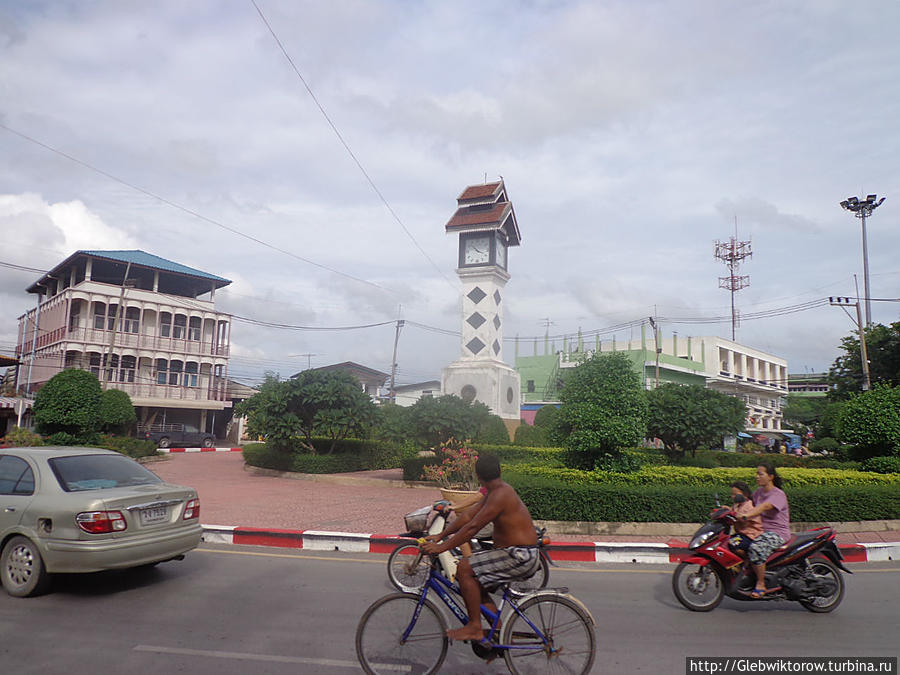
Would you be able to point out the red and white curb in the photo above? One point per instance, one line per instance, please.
(199, 449)
(598, 551)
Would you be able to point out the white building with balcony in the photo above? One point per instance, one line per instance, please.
(142, 324)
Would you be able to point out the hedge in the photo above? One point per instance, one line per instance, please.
(882, 464)
(604, 502)
(349, 455)
(719, 477)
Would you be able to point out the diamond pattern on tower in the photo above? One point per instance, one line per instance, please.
(496, 347)
(496, 322)
(476, 295)
(475, 345)
(497, 297)
(475, 320)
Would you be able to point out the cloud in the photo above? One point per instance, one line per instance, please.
(750, 211)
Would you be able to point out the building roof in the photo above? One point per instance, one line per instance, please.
(144, 259)
(359, 371)
(430, 384)
(8, 360)
(138, 258)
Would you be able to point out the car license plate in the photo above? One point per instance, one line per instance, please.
(154, 516)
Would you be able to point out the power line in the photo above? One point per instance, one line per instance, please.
(345, 144)
(191, 211)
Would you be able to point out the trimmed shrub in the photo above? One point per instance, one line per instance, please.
(492, 430)
(531, 436)
(827, 444)
(260, 454)
(882, 465)
(552, 500)
(116, 412)
(721, 477)
(133, 447)
(414, 467)
(70, 401)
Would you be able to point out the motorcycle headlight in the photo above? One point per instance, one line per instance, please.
(701, 538)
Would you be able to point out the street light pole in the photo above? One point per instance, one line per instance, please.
(863, 209)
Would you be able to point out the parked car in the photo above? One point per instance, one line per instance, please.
(86, 510)
(178, 436)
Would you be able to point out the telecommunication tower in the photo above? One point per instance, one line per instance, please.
(732, 253)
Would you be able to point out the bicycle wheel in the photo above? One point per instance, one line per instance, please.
(408, 568)
(379, 637)
(569, 635)
(534, 583)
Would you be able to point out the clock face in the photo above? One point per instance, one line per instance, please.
(477, 251)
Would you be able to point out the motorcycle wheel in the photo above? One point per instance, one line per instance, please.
(825, 568)
(697, 587)
(408, 568)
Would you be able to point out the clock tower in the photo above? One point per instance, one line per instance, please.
(486, 225)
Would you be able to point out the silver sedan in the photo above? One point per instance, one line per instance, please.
(86, 510)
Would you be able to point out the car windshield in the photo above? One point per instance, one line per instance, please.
(95, 472)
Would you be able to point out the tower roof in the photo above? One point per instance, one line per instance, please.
(485, 208)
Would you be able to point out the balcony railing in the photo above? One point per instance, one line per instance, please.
(135, 340)
(172, 393)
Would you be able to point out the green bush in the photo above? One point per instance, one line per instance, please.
(70, 401)
(116, 412)
(827, 444)
(604, 502)
(882, 465)
(350, 454)
(260, 454)
(133, 447)
(545, 418)
(62, 438)
(414, 467)
(532, 436)
(722, 477)
(492, 430)
(516, 454)
(21, 437)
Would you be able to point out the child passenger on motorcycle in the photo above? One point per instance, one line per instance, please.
(745, 531)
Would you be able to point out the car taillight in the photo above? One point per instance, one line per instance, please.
(101, 522)
(192, 509)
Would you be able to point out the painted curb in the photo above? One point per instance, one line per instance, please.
(199, 449)
(598, 551)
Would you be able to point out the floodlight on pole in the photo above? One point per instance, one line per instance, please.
(862, 209)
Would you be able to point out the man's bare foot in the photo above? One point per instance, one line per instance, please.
(468, 632)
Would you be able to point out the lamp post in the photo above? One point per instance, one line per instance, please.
(863, 209)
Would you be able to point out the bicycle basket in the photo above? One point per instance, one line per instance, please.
(417, 521)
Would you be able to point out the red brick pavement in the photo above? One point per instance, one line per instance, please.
(231, 495)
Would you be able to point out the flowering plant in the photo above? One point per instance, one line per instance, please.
(457, 470)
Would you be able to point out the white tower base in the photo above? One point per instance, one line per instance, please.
(493, 383)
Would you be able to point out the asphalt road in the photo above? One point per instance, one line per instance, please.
(229, 610)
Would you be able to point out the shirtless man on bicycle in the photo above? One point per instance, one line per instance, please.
(515, 555)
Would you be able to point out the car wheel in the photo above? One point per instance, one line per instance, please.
(207, 442)
(164, 442)
(22, 570)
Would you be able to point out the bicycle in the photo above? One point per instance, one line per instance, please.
(544, 631)
(408, 567)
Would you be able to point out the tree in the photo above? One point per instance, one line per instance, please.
(685, 417)
(871, 421)
(804, 412)
(70, 402)
(116, 412)
(316, 402)
(392, 424)
(437, 420)
(603, 409)
(883, 347)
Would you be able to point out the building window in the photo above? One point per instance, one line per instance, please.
(162, 371)
(126, 373)
(529, 386)
(95, 364)
(194, 329)
(179, 329)
(190, 374)
(165, 324)
(175, 368)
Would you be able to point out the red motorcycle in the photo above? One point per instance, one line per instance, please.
(806, 569)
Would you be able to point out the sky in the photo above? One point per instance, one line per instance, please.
(316, 167)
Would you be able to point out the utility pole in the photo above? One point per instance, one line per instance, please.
(105, 362)
(843, 303)
(392, 394)
(732, 252)
(658, 348)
